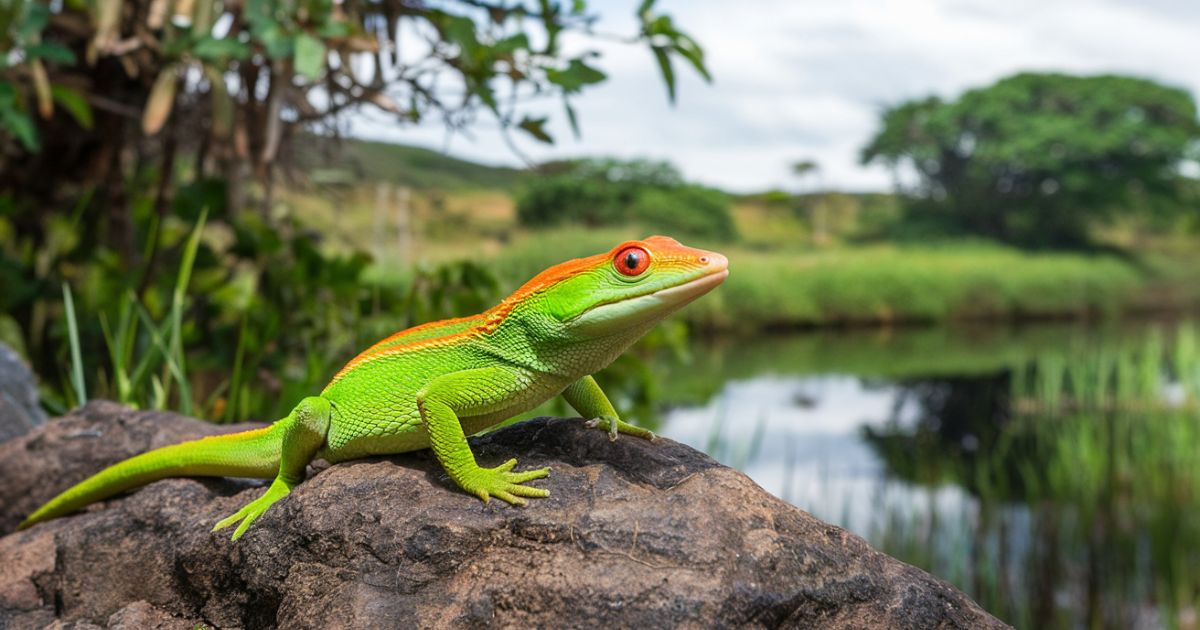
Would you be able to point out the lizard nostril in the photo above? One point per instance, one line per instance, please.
(704, 259)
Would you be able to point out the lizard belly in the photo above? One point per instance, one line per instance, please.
(394, 424)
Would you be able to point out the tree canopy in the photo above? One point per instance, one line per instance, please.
(1036, 158)
(91, 90)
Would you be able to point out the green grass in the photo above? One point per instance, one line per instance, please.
(868, 284)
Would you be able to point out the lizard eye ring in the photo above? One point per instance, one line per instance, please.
(632, 261)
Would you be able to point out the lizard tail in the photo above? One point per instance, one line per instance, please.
(247, 454)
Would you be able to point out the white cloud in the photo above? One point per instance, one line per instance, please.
(808, 79)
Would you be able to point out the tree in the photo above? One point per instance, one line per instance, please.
(608, 192)
(124, 122)
(1038, 158)
(103, 91)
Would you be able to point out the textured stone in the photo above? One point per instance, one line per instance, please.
(19, 407)
(633, 535)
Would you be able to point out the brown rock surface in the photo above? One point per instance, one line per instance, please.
(633, 535)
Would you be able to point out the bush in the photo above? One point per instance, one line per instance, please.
(693, 210)
(597, 193)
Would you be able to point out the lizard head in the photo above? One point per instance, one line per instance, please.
(627, 289)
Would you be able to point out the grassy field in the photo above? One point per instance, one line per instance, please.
(877, 283)
(789, 266)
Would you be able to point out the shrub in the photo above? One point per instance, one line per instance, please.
(597, 193)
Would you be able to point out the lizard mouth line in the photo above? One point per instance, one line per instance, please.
(694, 288)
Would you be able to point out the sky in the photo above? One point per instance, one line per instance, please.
(807, 79)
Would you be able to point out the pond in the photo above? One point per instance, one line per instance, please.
(1051, 471)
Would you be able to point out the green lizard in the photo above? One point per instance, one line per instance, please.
(432, 385)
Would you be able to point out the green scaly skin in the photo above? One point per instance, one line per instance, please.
(433, 385)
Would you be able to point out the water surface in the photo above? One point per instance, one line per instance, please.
(1051, 471)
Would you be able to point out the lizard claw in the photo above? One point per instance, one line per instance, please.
(615, 426)
(502, 483)
(256, 508)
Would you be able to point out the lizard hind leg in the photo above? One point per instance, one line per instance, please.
(304, 432)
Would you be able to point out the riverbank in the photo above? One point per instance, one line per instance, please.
(799, 286)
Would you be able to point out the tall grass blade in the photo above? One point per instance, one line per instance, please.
(177, 300)
(76, 356)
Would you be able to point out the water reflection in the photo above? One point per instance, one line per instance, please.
(1053, 473)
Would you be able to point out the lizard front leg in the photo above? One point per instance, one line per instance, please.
(474, 392)
(589, 401)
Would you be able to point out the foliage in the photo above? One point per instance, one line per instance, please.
(915, 284)
(613, 192)
(232, 79)
(1035, 159)
(92, 202)
(246, 317)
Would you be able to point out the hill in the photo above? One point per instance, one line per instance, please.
(417, 167)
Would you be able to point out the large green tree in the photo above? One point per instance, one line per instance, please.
(1036, 159)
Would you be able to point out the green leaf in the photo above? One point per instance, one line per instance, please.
(335, 28)
(50, 51)
(310, 56)
(644, 8)
(509, 44)
(668, 74)
(20, 125)
(461, 30)
(213, 49)
(536, 127)
(690, 50)
(572, 118)
(37, 15)
(575, 76)
(75, 104)
(77, 381)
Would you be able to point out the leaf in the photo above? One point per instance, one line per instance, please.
(576, 75)
(218, 50)
(108, 21)
(41, 87)
(37, 16)
(461, 30)
(202, 16)
(222, 105)
(50, 51)
(690, 50)
(20, 125)
(162, 99)
(310, 56)
(75, 104)
(572, 118)
(668, 74)
(536, 127)
(512, 43)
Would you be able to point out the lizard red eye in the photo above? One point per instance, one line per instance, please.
(632, 261)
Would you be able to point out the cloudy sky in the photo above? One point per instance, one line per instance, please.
(806, 79)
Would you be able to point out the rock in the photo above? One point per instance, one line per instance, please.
(633, 535)
(20, 410)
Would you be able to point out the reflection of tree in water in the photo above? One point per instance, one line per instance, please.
(938, 427)
(1081, 517)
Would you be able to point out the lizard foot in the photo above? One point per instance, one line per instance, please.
(616, 425)
(254, 509)
(502, 483)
